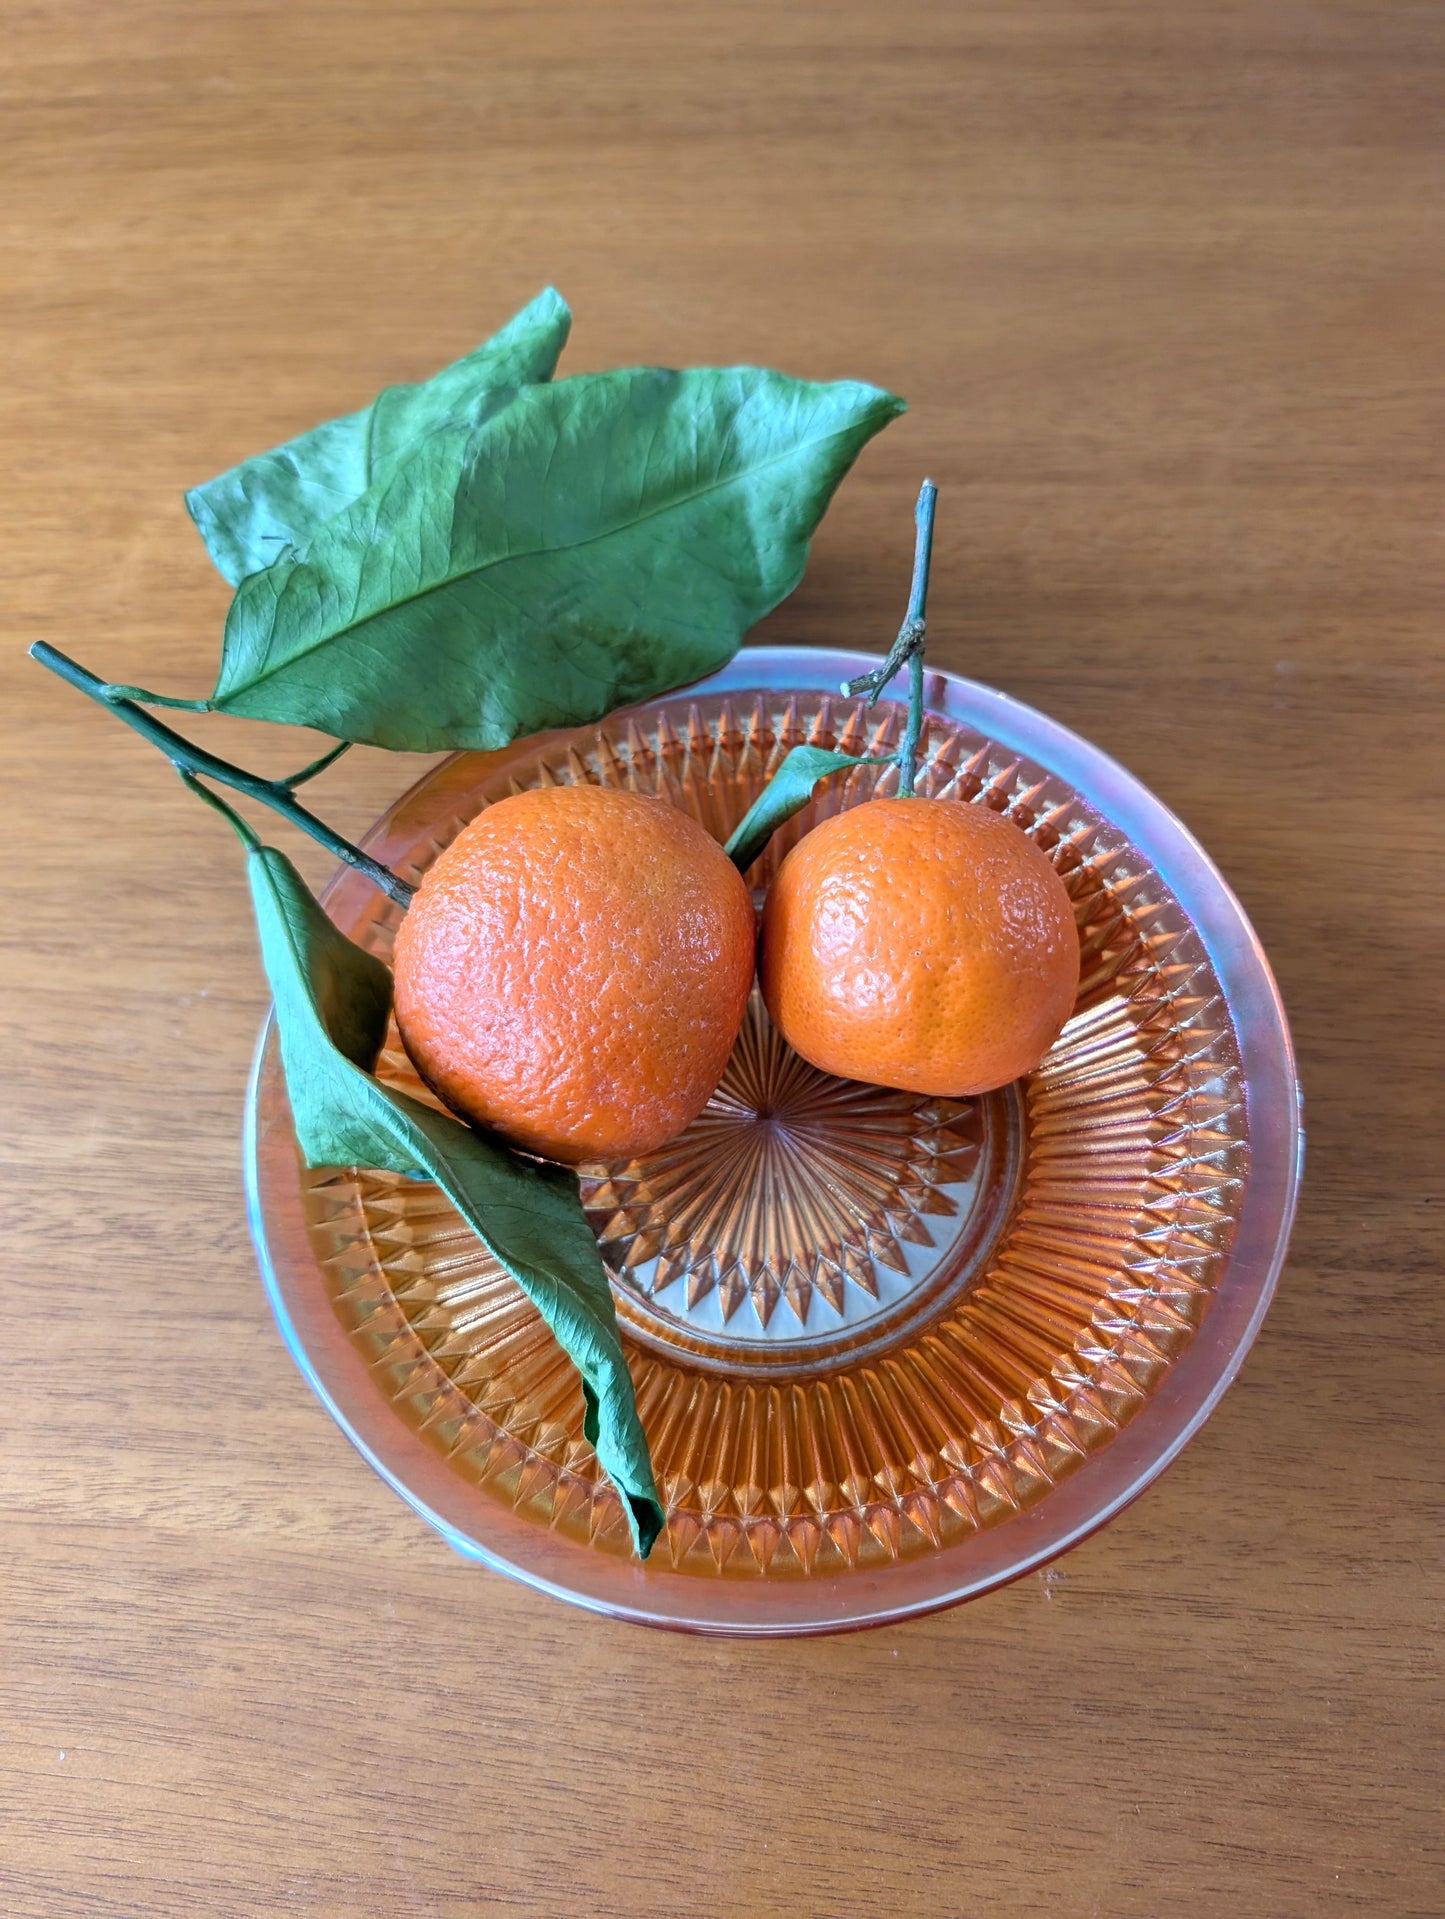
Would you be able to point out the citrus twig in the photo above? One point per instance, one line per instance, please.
(193, 760)
(907, 649)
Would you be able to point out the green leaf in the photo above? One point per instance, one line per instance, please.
(251, 515)
(592, 543)
(786, 793)
(332, 1001)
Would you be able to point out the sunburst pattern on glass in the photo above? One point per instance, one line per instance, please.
(1047, 1315)
(795, 1206)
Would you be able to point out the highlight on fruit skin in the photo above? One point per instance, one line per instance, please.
(573, 971)
(923, 944)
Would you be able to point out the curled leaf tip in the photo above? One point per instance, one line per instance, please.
(648, 1523)
(273, 506)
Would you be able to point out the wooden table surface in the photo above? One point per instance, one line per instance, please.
(1164, 286)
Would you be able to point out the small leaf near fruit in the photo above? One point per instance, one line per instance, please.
(798, 777)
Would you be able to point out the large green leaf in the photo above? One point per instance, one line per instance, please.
(251, 515)
(593, 542)
(332, 1001)
(785, 794)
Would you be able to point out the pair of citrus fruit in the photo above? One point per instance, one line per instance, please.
(573, 969)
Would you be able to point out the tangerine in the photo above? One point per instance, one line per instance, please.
(923, 944)
(573, 971)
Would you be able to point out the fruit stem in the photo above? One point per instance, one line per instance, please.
(907, 649)
(189, 761)
(917, 600)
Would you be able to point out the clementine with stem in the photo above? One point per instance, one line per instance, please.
(917, 943)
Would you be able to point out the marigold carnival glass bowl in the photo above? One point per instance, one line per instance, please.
(889, 1351)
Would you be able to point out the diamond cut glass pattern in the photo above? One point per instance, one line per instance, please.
(863, 1325)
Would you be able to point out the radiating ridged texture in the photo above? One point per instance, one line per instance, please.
(819, 1202)
(1133, 1160)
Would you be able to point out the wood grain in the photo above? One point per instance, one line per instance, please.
(1164, 285)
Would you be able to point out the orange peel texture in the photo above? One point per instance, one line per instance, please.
(922, 944)
(573, 970)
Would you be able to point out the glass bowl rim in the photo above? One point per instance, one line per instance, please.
(1087, 1498)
